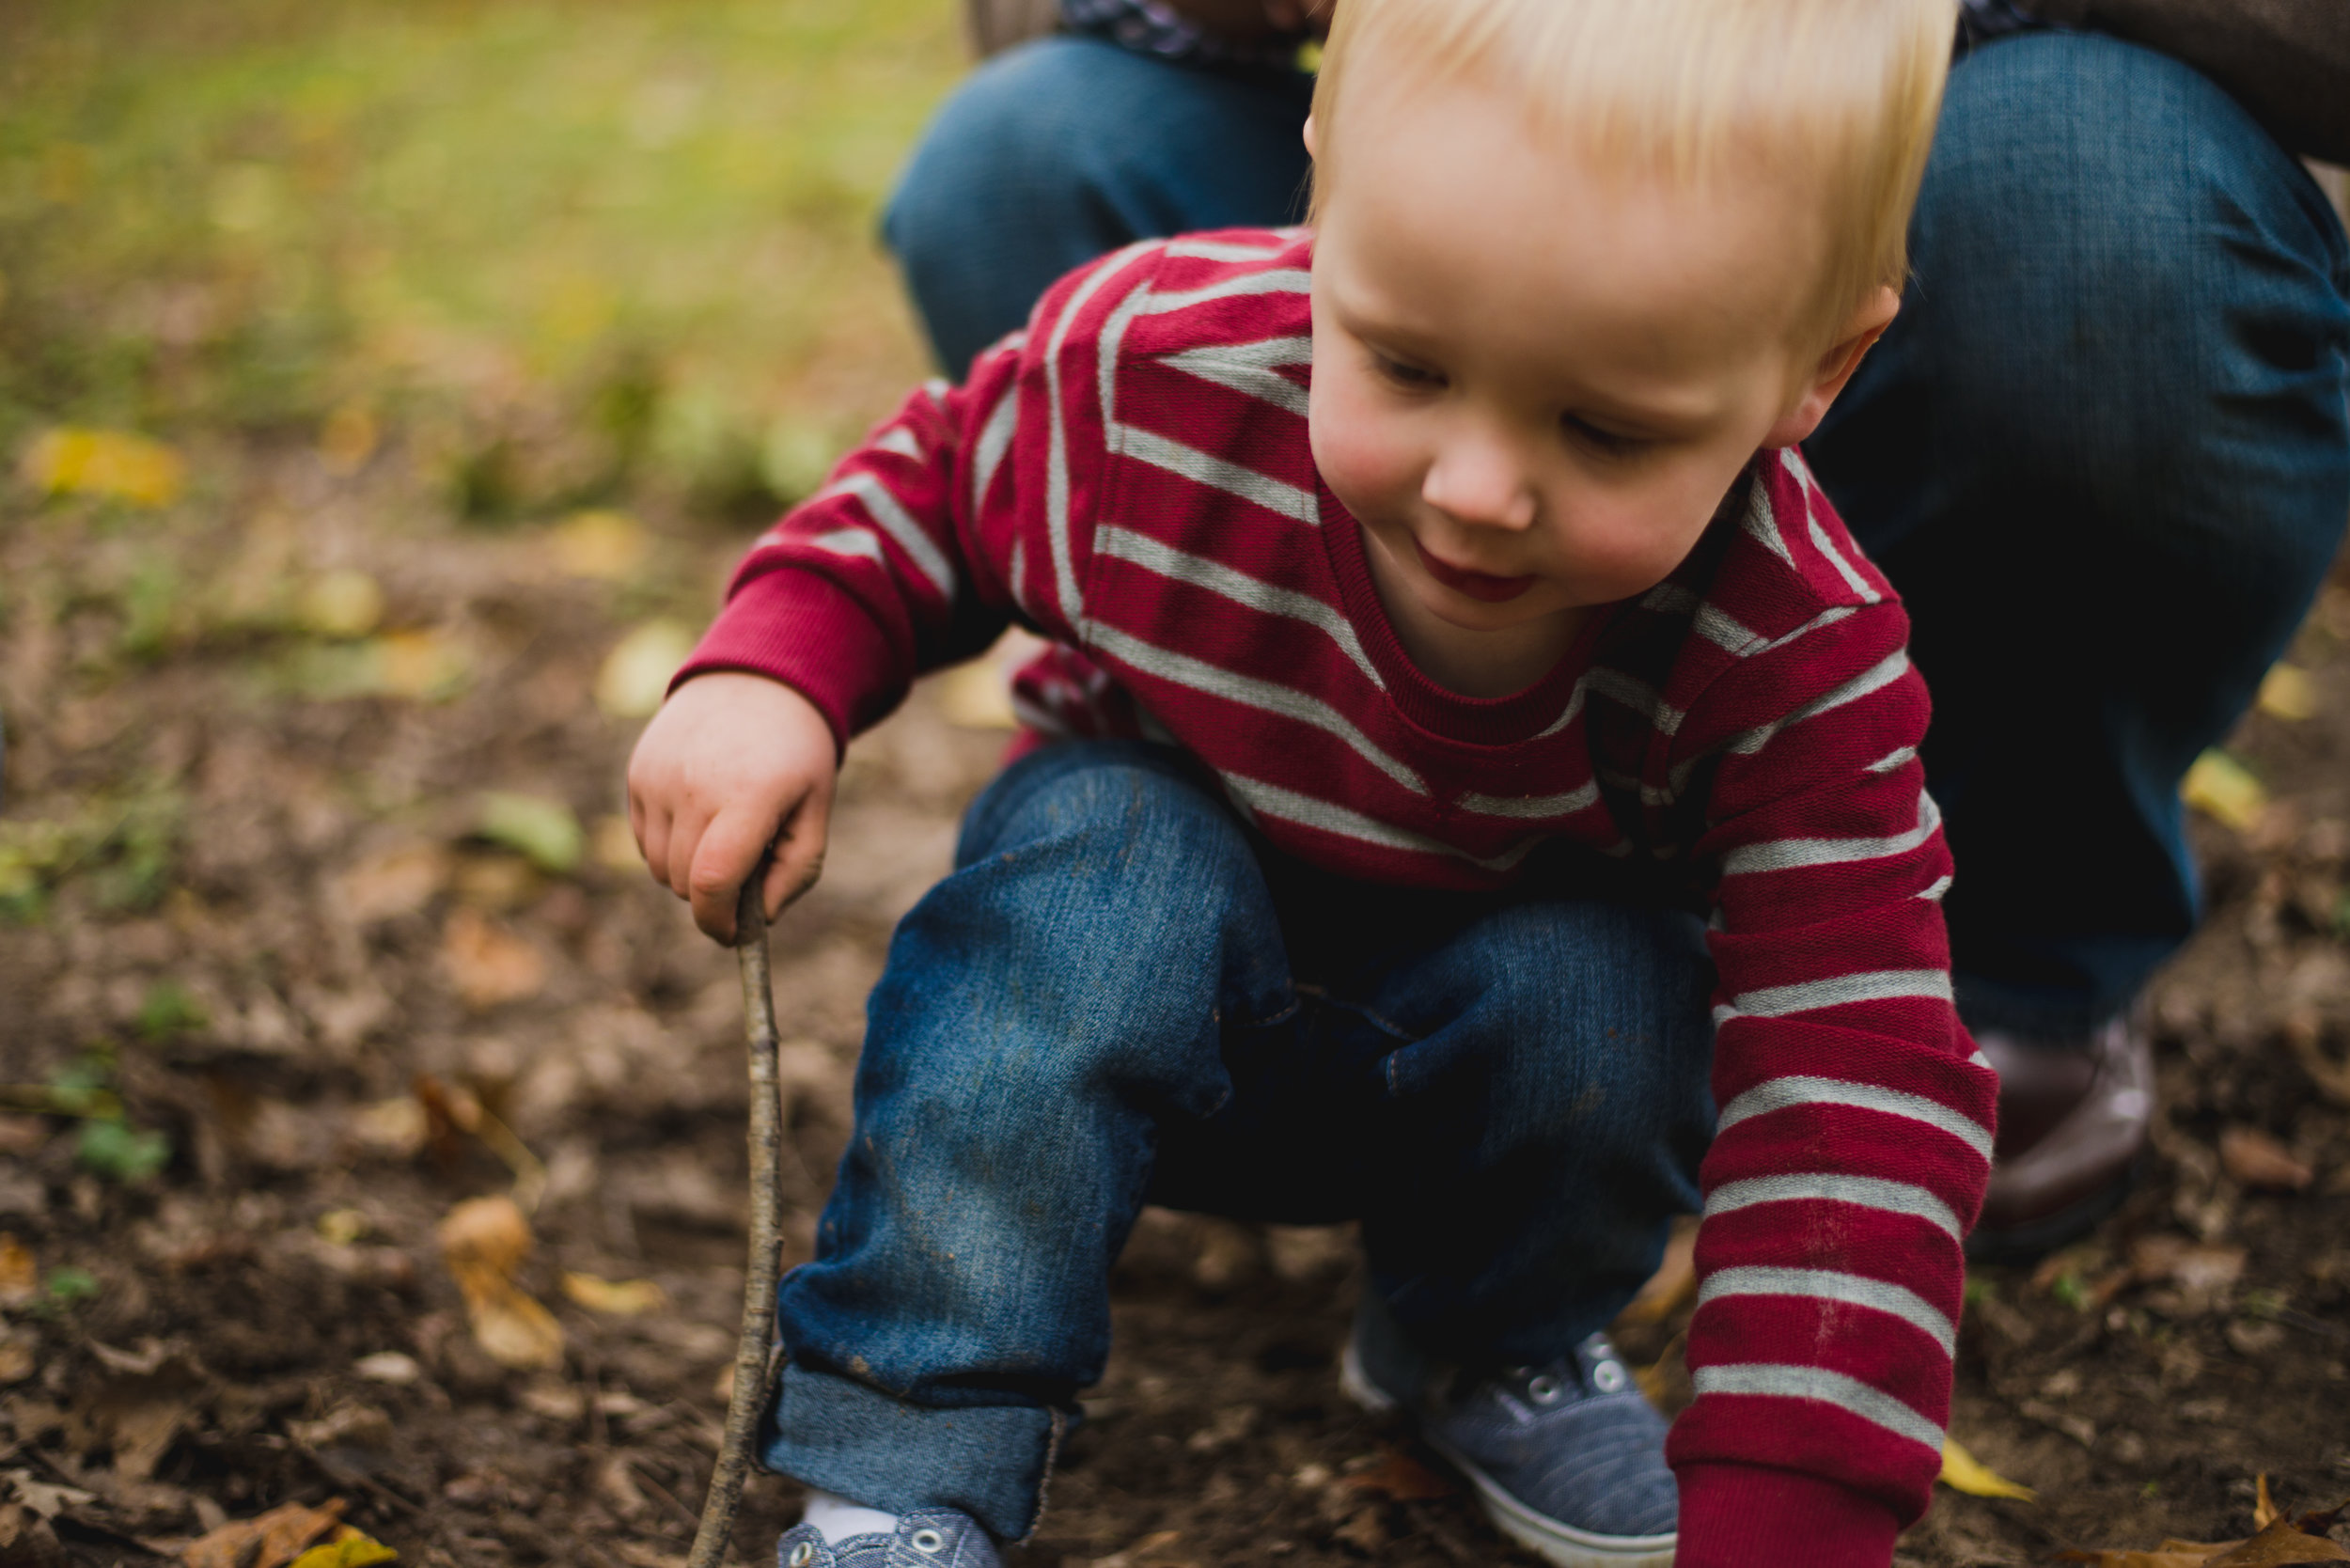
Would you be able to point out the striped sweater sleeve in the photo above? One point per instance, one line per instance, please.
(950, 520)
(1856, 1116)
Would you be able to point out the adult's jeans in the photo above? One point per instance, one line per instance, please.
(1119, 997)
(2103, 453)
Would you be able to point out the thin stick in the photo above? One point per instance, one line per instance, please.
(758, 1285)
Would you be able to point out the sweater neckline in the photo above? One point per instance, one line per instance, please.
(1444, 715)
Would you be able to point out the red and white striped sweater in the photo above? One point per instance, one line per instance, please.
(1131, 478)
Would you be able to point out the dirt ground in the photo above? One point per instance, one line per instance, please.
(259, 904)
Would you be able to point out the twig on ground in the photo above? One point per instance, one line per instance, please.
(751, 1355)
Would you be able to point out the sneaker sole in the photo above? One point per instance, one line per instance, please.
(1539, 1534)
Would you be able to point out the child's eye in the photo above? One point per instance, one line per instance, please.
(1612, 443)
(1413, 378)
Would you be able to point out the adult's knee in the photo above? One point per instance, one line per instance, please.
(2117, 270)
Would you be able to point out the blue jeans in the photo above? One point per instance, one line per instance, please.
(1119, 998)
(2103, 452)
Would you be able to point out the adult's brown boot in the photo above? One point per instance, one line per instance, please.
(2074, 1115)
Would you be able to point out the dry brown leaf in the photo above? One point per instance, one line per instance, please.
(139, 1404)
(1675, 1282)
(2278, 1546)
(272, 1541)
(2263, 1505)
(484, 1241)
(2135, 1560)
(395, 882)
(26, 1540)
(1400, 1478)
(20, 1276)
(488, 964)
(2200, 1270)
(625, 1298)
(2260, 1162)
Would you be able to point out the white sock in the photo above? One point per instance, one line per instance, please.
(836, 1518)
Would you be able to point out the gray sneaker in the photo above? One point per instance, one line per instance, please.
(1567, 1459)
(927, 1538)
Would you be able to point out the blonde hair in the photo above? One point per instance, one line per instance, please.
(1842, 93)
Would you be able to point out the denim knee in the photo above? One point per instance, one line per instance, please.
(2125, 289)
(1067, 147)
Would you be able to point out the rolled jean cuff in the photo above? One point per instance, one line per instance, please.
(990, 1461)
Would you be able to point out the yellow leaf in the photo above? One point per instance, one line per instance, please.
(625, 1298)
(2287, 693)
(68, 461)
(484, 1240)
(974, 696)
(342, 603)
(614, 844)
(352, 1549)
(418, 665)
(606, 544)
(20, 1276)
(1963, 1472)
(636, 675)
(349, 438)
(2220, 787)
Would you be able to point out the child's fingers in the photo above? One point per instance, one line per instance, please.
(799, 852)
(728, 850)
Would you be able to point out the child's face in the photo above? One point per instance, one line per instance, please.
(1534, 381)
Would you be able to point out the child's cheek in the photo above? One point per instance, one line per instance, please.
(1364, 451)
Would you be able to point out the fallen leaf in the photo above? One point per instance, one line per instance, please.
(625, 1298)
(488, 964)
(2135, 1560)
(2279, 1546)
(396, 882)
(272, 1541)
(540, 830)
(610, 545)
(2260, 1162)
(349, 1549)
(484, 1242)
(614, 844)
(116, 465)
(2263, 1505)
(342, 1226)
(418, 665)
(2224, 790)
(636, 675)
(396, 1126)
(43, 1497)
(345, 603)
(349, 438)
(2202, 1271)
(2287, 693)
(20, 1276)
(1963, 1472)
(1400, 1478)
(1675, 1282)
(140, 1404)
(388, 1366)
(975, 697)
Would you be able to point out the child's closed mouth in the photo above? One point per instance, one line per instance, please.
(1477, 585)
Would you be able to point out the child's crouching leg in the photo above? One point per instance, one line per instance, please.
(1557, 1109)
(1040, 1010)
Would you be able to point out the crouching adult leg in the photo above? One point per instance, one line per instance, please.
(2105, 455)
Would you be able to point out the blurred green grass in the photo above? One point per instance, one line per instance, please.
(556, 253)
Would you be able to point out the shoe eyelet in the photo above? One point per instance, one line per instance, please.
(928, 1542)
(1607, 1377)
(801, 1555)
(1541, 1388)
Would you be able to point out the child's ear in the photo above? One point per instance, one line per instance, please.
(1310, 136)
(1862, 328)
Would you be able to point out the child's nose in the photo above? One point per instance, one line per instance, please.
(1480, 481)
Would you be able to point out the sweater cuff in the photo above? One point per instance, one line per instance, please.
(1751, 1517)
(804, 630)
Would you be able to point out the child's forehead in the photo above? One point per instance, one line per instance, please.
(1455, 218)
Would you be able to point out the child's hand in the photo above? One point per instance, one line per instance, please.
(731, 763)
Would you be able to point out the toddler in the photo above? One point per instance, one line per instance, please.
(1473, 789)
